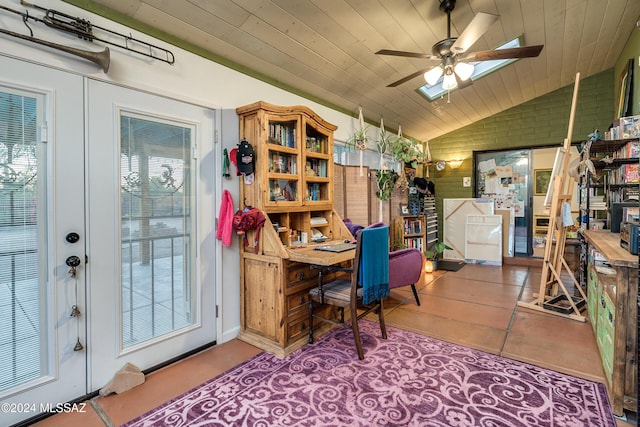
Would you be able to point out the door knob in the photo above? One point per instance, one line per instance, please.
(72, 237)
(72, 261)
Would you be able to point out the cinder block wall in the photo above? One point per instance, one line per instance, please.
(543, 121)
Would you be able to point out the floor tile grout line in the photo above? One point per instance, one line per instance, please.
(514, 312)
(101, 413)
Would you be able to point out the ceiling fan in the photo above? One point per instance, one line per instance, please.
(452, 54)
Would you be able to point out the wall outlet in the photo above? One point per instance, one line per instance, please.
(466, 181)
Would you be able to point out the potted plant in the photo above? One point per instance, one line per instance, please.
(407, 150)
(359, 138)
(432, 255)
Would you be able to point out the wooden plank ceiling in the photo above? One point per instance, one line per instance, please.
(326, 48)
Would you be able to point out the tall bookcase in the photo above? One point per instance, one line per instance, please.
(293, 186)
(608, 272)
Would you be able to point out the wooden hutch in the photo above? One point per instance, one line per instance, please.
(293, 186)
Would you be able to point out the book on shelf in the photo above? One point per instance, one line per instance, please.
(318, 220)
(630, 150)
(316, 191)
(414, 243)
(282, 134)
(412, 226)
(282, 163)
(628, 174)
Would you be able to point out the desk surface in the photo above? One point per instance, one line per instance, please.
(309, 255)
(608, 244)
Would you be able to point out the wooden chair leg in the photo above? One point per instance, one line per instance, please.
(356, 332)
(383, 327)
(415, 294)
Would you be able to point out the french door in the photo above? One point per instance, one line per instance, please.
(42, 312)
(106, 248)
(150, 248)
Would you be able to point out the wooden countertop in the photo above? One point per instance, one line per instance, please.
(608, 244)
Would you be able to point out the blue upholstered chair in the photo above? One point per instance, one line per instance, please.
(364, 286)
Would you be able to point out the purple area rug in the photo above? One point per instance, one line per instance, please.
(406, 380)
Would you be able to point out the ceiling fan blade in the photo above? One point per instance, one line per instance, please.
(476, 28)
(409, 77)
(406, 54)
(511, 53)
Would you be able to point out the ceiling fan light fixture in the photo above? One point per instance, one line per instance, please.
(449, 82)
(464, 70)
(433, 75)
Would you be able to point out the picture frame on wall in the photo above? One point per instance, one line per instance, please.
(541, 181)
(625, 90)
(404, 209)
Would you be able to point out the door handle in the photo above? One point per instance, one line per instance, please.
(72, 262)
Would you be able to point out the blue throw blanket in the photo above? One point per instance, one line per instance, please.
(373, 274)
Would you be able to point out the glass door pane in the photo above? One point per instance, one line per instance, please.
(157, 227)
(504, 176)
(23, 332)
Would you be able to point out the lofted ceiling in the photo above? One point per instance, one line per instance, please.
(325, 49)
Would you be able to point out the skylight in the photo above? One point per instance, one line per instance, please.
(481, 68)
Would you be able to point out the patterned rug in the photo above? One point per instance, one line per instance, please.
(406, 380)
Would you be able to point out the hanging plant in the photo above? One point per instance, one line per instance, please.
(408, 151)
(384, 141)
(386, 180)
(359, 139)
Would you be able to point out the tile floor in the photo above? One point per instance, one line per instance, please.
(475, 306)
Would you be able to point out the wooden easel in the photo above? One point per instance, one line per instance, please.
(554, 262)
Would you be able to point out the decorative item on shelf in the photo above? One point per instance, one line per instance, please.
(595, 136)
(455, 163)
(432, 255)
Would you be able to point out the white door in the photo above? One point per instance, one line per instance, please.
(42, 310)
(151, 239)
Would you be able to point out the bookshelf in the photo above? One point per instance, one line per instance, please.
(293, 186)
(409, 232)
(618, 180)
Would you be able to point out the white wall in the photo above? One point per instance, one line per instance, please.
(191, 79)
